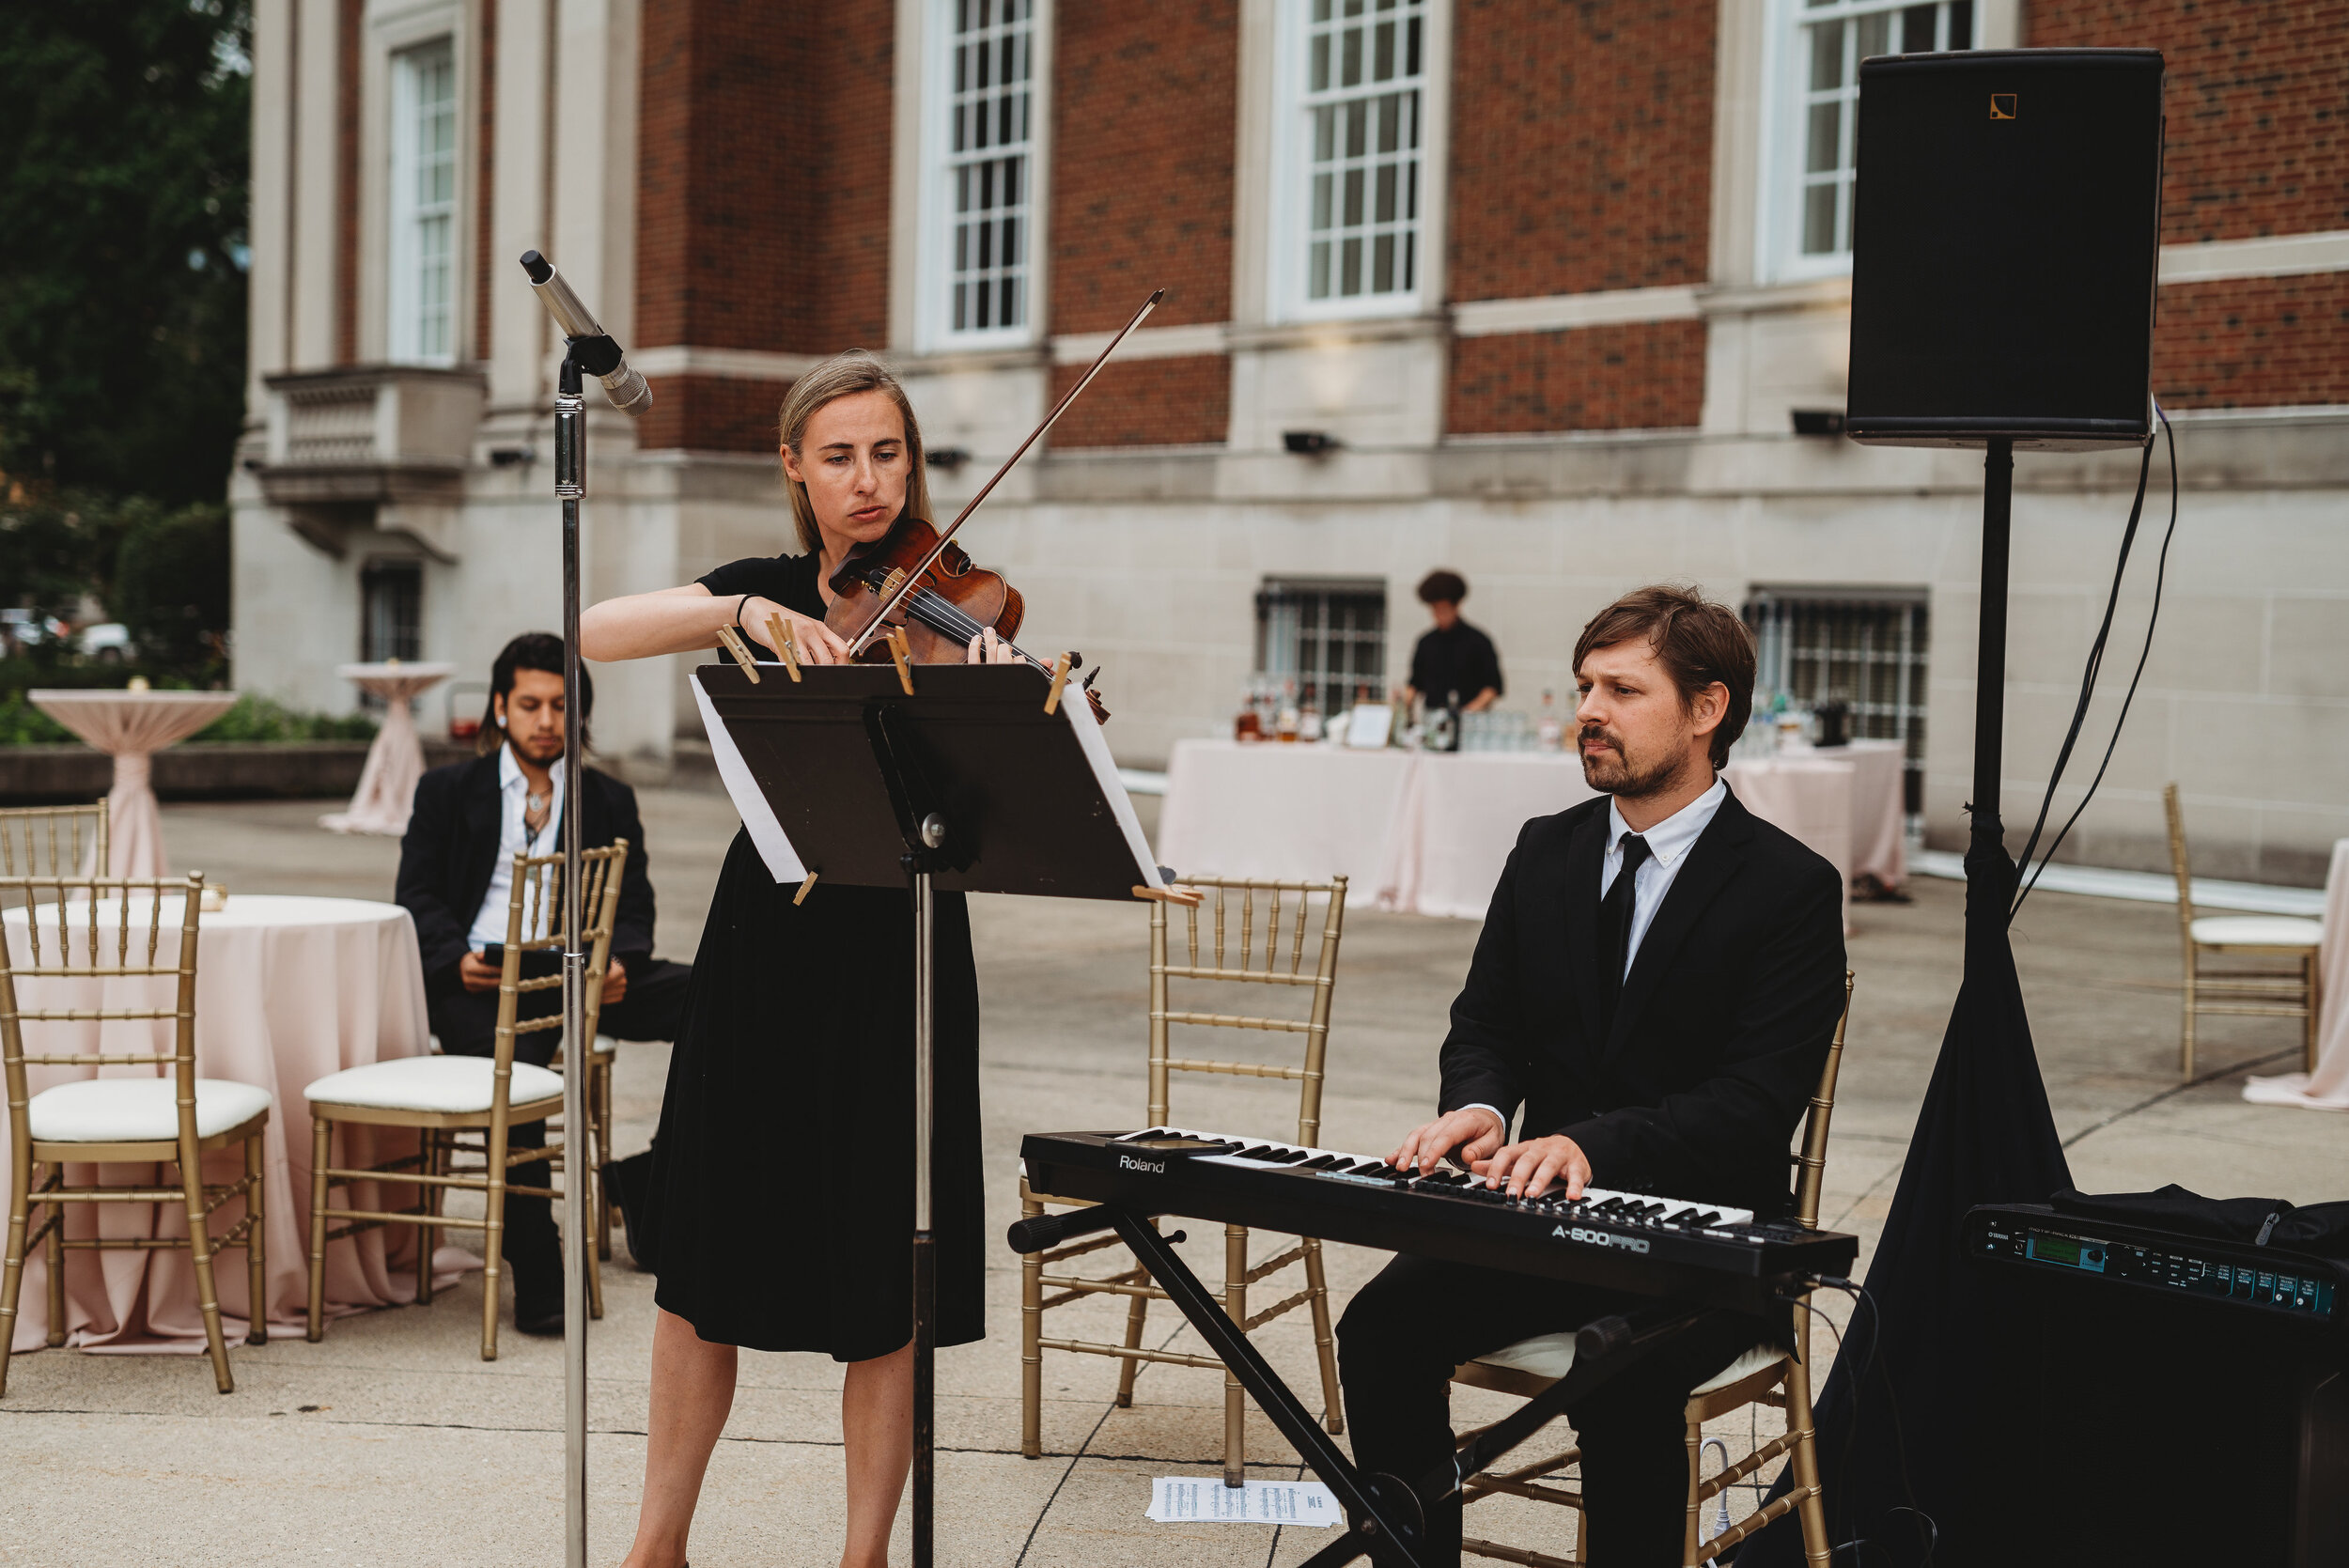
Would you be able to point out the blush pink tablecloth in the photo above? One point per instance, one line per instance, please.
(2328, 1088)
(1428, 834)
(131, 727)
(387, 784)
(1292, 813)
(1460, 817)
(288, 990)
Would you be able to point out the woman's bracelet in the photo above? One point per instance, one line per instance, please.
(738, 611)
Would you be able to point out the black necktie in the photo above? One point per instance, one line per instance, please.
(1614, 928)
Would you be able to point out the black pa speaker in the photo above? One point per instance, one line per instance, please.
(2005, 230)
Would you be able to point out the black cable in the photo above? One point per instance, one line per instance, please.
(1860, 1296)
(2095, 662)
(2161, 572)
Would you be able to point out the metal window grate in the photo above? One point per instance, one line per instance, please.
(391, 611)
(1331, 638)
(1864, 647)
(990, 143)
(1363, 67)
(1832, 37)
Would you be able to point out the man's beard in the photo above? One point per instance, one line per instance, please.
(1614, 773)
(552, 752)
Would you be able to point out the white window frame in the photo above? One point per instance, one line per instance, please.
(1288, 285)
(404, 322)
(1786, 102)
(934, 284)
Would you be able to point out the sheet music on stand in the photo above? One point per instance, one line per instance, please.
(809, 779)
(957, 778)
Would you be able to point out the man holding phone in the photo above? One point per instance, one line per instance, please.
(456, 880)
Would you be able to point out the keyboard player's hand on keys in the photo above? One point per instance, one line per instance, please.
(1526, 1168)
(1475, 1132)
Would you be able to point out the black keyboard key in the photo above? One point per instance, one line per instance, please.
(1682, 1217)
(1321, 1162)
(1257, 1151)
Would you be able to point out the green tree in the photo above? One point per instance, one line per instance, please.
(124, 158)
(171, 585)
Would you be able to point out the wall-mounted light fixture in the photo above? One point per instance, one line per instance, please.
(951, 458)
(511, 457)
(1818, 422)
(1309, 443)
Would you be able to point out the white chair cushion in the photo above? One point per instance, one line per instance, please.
(2258, 931)
(138, 1109)
(605, 1045)
(1551, 1356)
(433, 1083)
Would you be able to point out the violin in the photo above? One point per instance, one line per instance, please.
(919, 581)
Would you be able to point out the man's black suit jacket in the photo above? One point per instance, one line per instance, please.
(451, 849)
(1722, 1029)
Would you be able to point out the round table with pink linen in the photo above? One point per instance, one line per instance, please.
(288, 990)
(132, 727)
(387, 784)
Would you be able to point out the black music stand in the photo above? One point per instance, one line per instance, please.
(946, 777)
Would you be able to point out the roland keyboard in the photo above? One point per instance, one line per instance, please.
(1676, 1248)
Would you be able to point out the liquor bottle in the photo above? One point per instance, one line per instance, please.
(1248, 726)
(1548, 732)
(1286, 722)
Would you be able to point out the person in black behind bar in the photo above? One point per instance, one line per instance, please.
(1453, 664)
(456, 877)
(1656, 985)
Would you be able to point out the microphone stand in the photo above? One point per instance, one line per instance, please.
(570, 486)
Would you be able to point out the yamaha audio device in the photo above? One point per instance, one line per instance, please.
(2121, 1355)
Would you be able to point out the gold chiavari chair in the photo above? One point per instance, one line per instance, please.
(450, 1100)
(2285, 988)
(53, 841)
(1243, 963)
(124, 942)
(1763, 1376)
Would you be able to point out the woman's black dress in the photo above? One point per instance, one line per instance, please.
(782, 1187)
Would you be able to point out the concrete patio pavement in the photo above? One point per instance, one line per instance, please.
(391, 1442)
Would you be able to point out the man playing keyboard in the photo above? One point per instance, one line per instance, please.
(1656, 985)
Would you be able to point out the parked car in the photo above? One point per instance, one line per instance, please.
(109, 642)
(29, 629)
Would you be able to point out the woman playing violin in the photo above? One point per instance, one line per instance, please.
(782, 1189)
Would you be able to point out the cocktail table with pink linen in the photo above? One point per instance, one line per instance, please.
(288, 990)
(130, 725)
(387, 782)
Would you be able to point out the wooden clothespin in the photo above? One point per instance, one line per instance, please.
(780, 629)
(731, 640)
(1189, 898)
(902, 652)
(805, 887)
(1059, 678)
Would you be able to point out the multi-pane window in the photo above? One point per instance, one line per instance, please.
(989, 163)
(1362, 65)
(1330, 637)
(391, 616)
(1862, 647)
(423, 292)
(1831, 37)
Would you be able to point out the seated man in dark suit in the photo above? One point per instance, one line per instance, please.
(1656, 985)
(456, 879)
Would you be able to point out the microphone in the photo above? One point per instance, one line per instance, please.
(591, 346)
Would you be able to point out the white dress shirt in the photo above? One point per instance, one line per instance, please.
(514, 838)
(1668, 845)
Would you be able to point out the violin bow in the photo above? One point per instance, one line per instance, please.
(890, 605)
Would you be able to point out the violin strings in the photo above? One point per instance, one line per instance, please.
(948, 616)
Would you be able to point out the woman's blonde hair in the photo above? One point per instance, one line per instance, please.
(844, 375)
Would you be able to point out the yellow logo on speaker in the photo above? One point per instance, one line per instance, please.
(2002, 106)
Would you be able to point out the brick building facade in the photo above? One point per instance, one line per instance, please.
(1549, 283)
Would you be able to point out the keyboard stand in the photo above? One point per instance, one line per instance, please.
(1384, 1519)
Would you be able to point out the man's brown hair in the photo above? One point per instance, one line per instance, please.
(1696, 640)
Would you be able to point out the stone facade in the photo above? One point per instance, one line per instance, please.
(1591, 384)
